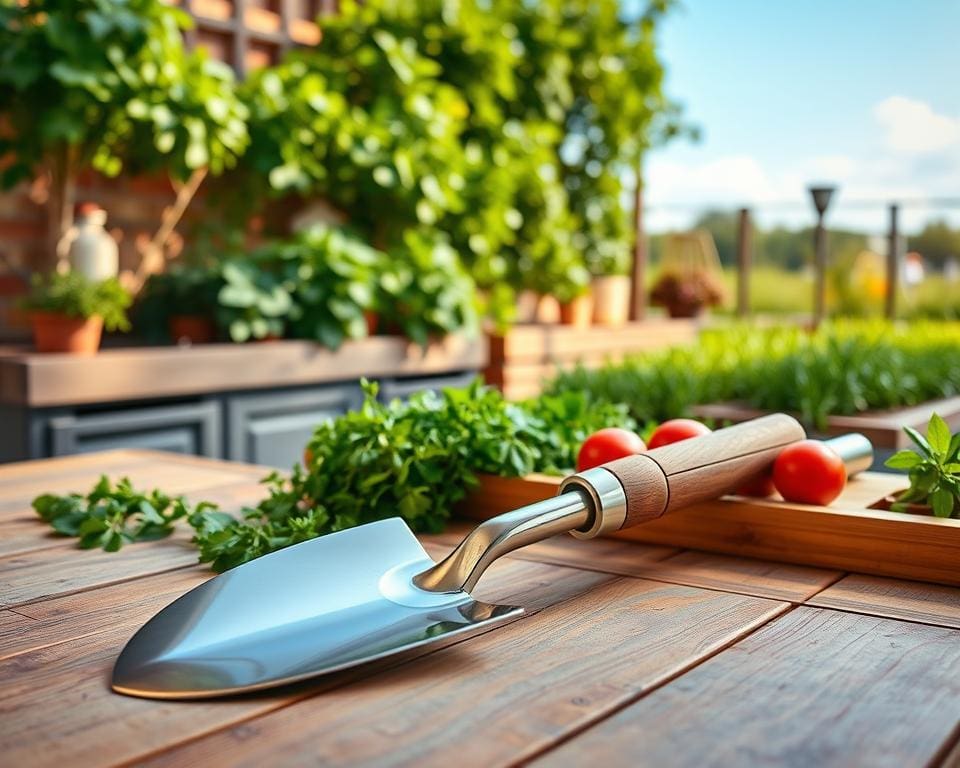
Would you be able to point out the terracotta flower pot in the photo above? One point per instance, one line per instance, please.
(577, 312)
(195, 329)
(611, 300)
(53, 332)
(682, 310)
(373, 321)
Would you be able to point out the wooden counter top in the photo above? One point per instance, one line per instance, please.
(629, 655)
(141, 373)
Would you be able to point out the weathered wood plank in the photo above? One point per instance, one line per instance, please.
(815, 687)
(56, 708)
(128, 604)
(762, 578)
(909, 600)
(62, 570)
(512, 693)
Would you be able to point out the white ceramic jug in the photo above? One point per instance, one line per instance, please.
(93, 253)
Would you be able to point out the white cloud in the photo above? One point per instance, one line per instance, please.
(913, 127)
(911, 153)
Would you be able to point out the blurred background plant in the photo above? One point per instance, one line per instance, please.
(108, 84)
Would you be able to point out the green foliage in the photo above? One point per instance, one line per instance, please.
(845, 367)
(74, 295)
(108, 83)
(425, 290)
(934, 469)
(507, 126)
(112, 515)
(332, 279)
(412, 459)
(182, 290)
(938, 243)
(253, 302)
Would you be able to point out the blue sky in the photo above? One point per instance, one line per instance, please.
(865, 93)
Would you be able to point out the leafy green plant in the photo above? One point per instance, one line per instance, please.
(845, 367)
(333, 275)
(182, 290)
(934, 469)
(254, 302)
(74, 295)
(108, 84)
(425, 290)
(112, 515)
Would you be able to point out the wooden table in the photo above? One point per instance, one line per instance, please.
(631, 655)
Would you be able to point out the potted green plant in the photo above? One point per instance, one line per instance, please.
(425, 292)
(68, 312)
(934, 472)
(109, 85)
(254, 302)
(686, 294)
(179, 304)
(334, 276)
(608, 261)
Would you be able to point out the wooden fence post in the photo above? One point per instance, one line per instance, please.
(893, 263)
(744, 262)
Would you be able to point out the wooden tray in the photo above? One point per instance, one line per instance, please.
(846, 535)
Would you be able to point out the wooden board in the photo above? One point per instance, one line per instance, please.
(816, 688)
(844, 536)
(732, 669)
(151, 372)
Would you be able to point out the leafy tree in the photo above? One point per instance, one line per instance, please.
(108, 84)
(506, 125)
(937, 242)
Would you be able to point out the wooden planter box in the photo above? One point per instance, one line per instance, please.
(527, 355)
(883, 428)
(847, 535)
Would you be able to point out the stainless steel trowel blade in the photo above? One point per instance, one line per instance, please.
(320, 606)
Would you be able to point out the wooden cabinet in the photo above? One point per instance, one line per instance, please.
(271, 428)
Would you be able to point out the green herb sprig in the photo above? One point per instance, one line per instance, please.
(112, 515)
(934, 471)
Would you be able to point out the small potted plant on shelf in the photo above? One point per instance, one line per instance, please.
(179, 304)
(425, 293)
(610, 265)
(68, 312)
(934, 472)
(334, 276)
(686, 294)
(254, 303)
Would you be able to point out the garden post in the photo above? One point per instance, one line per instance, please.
(893, 263)
(821, 201)
(744, 262)
(638, 295)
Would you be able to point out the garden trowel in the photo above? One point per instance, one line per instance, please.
(368, 592)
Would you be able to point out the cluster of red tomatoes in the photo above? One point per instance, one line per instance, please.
(807, 472)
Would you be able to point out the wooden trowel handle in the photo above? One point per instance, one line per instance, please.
(701, 468)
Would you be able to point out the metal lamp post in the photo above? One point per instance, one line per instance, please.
(821, 201)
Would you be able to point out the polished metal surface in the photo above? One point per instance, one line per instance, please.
(462, 568)
(607, 498)
(317, 607)
(855, 450)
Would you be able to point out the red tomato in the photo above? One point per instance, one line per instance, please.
(809, 472)
(761, 486)
(606, 445)
(675, 430)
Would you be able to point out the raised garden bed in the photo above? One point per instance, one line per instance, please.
(526, 356)
(883, 428)
(848, 535)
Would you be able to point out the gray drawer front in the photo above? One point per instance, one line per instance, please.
(403, 388)
(192, 428)
(272, 428)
